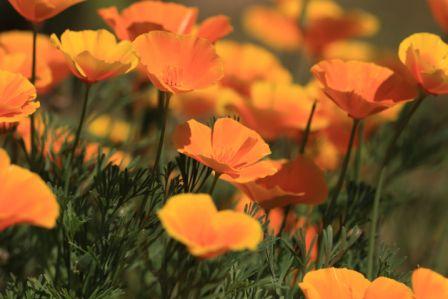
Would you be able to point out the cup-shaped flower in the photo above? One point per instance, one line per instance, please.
(360, 88)
(17, 97)
(37, 11)
(428, 284)
(426, 56)
(94, 56)
(298, 181)
(178, 63)
(145, 16)
(193, 220)
(25, 198)
(228, 148)
(439, 9)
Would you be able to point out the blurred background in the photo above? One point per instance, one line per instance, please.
(417, 222)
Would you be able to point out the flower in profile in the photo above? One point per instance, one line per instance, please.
(178, 63)
(228, 148)
(37, 11)
(193, 220)
(360, 88)
(426, 55)
(298, 181)
(94, 56)
(51, 66)
(439, 9)
(36, 204)
(17, 97)
(428, 284)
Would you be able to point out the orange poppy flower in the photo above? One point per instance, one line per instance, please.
(229, 148)
(107, 127)
(360, 88)
(425, 55)
(51, 67)
(178, 63)
(296, 182)
(36, 204)
(428, 284)
(145, 16)
(439, 9)
(37, 11)
(17, 97)
(350, 50)
(193, 220)
(94, 56)
(215, 28)
(385, 288)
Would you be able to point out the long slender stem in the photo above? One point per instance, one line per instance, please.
(345, 163)
(215, 180)
(81, 120)
(308, 129)
(33, 81)
(165, 110)
(358, 154)
(379, 185)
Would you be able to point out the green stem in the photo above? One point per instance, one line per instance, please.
(215, 180)
(345, 163)
(358, 154)
(285, 219)
(81, 121)
(379, 186)
(33, 81)
(165, 110)
(308, 129)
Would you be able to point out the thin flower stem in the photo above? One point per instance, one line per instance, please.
(215, 180)
(285, 219)
(308, 129)
(358, 154)
(81, 121)
(165, 110)
(345, 163)
(33, 81)
(379, 186)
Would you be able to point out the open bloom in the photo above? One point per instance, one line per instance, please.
(193, 220)
(94, 56)
(341, 283)
(428, 284)
(178, 63)
(17, 97)
(360, 88)
(439, 9)
(37, 11)
(298, 181)
(426, 57)
(25, 198)
(228, 148)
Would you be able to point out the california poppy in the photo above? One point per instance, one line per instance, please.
(425, 55)
(439, 9)
(360, 88)
(178, 63)
(385, 288)
(228, 148)
(298, 181)
(94, 56)
(428, 284)
(17, 97)
(106, 126)
(193, 220)
(36, 204)
(37, 11)
(214, 28)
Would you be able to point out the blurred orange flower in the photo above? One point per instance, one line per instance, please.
(360, 88)
(428, 284)
(51, 67)
(215, 28)
(25, 197)
(108, 127)
(37, 11)
(17, 97)
(228, 148)
(178, 63)
(350, 50)
(94, 56)
(298, 181)
(425, 55)
(193, 220)
(439, 9)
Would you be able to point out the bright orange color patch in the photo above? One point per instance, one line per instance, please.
(37, 11)
(94, 56)
(428, 284)
(229, 148)
(426, 56)
(178, 63)
(17, 97)
(25, 198)
(360, 88)
(215, 28)
(439, 9)
(193, 220)
(296, 182)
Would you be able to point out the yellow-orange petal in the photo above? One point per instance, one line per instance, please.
(428, 284)
(386, 288)
(215, 28)
(37, 11)
(439, 9)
